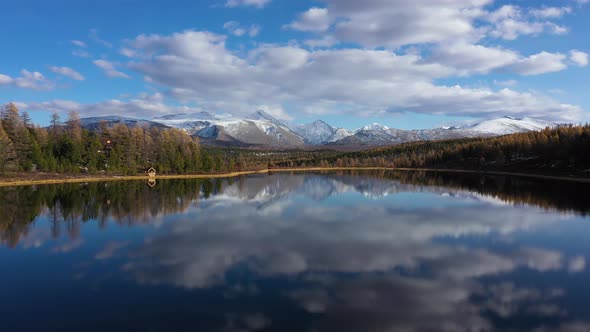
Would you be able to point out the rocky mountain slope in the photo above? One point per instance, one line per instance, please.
(263, 130)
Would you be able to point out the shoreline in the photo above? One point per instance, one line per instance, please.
(18, 182)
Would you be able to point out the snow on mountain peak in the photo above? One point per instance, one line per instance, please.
(315, 133)
(510, 125)
(374, 127)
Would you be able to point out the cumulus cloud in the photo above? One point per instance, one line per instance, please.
(196, 66)
(394, 23)
(540, 63)
(28, 80)
(579, 58)
(314, 19)
(109, 69)
(469, 58)
(253, 3)
(367, 77)
(377, 23)
(68, 72)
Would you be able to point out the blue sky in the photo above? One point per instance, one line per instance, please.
(405, 64)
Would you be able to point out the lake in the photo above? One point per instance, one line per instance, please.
(336, 251)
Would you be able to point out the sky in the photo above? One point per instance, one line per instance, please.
(404, 64)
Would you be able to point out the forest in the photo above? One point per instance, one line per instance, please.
(66, 147)
(564, 150)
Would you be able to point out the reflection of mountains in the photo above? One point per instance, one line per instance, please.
(564, 196)
(266, 189)
(129, 203)
(353, 264)
(363, 266)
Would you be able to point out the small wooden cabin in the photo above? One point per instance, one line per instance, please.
(151, 172)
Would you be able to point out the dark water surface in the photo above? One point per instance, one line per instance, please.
(370, 251)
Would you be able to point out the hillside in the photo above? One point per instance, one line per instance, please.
(561, 151)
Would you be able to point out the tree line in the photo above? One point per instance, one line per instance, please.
(67, 147)
(560, 150)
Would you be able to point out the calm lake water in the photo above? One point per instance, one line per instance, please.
(370, 251)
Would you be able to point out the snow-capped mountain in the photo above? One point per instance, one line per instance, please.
(315, 133)
(510, 125)
(373, 127)
(262, 129)
(259, 129)
(339, 134)
(377, 134)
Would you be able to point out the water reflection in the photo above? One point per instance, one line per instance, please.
(383, 251)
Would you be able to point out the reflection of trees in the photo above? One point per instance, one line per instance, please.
(560, 195)
(66, 206)
(549, 194)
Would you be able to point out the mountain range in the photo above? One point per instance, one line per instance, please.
(260, 129)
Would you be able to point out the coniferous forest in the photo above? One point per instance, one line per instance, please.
(559, 151)
(66, 147)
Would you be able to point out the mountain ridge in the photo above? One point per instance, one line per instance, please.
(263, 130)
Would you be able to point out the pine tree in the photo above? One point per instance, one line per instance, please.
(10, 120)
(55, 124)
(26, 119)
(7, 153)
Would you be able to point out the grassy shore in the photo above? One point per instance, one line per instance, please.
(27, 179)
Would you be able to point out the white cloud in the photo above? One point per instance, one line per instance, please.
(253, 3)
(394, 23)
(468, 58)
(28, 80)
(314, 19)
(127, 52)
(509, 22)
(579, 58)
(196, 66)
(540, 63)
(68, 72)
(142, 106)
(5, 79)
(238, 30)
(551, 12)
(78, 43)
(109, 69)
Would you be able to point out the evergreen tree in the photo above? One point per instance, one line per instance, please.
(7, 153)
